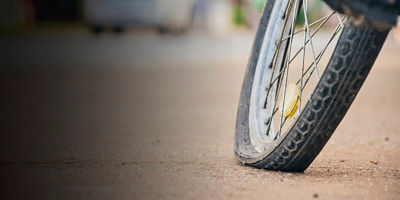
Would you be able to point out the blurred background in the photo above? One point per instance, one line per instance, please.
(171, 16)
(128, 99)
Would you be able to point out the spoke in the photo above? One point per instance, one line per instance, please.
(336, 31)
(275, 57)
(287, 64)
(297, 53)
(309, 36)
(315, 32)
(314, 23)
(340, 20)
(269, 121)
(302, 72)
(279, 133)
(272, 76)
(283, 73)
(332, 36)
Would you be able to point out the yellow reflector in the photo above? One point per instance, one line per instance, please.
(291, 100)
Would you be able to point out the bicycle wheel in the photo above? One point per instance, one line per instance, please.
(299, 85)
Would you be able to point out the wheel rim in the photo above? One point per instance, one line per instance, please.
(274, 70)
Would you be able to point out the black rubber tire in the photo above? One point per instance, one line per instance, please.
(354, 55)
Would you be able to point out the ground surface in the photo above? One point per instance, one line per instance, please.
(146, 117)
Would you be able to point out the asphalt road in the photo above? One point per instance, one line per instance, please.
(141, 116)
